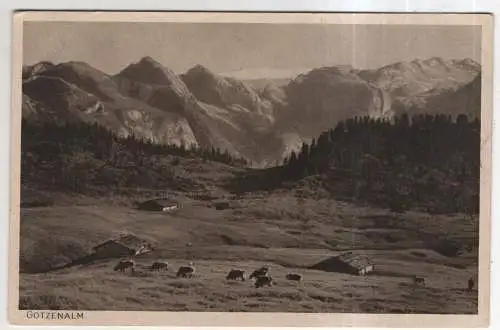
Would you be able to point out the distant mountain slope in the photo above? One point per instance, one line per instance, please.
(150, 101)
(148, 71)
(260, 119)
(404, 79)
(30, 71)
(465, 99)
(62, 100)
(29, 107)
(89, 94)
(260, 84)
(222, 112)
(275, 94)
(225, 92)
(322, 97)
(85, 77)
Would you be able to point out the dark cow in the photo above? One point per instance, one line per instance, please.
(235, 274)
(124, 265)
(264, 280)
(185, 271)
(262, 271)
(418, 280)
(158, 266)
(294, 277)
(470, 284)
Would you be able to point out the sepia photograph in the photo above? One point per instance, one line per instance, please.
(251, 163)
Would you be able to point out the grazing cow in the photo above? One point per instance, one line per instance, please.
(470, 284)
(294, 277)
(185, 271)
(264, 280)
(262, 271)
(158, 266)
(235, 274)
(418, 280)
(124, 265)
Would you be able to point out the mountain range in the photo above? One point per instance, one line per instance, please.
(262, 120)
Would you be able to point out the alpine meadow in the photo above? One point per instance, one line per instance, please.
(237, 167)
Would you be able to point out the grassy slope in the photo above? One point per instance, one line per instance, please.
(97, 287)
(254, 230)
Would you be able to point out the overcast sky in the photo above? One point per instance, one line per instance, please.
(261, 48)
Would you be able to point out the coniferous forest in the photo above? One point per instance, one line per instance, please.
(427, 162)
(76, 156)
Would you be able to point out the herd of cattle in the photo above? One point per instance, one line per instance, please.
(261, 275)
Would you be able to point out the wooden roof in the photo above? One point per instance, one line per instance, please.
(350, 258)
(160, 201)
(355, 260)
(130, 241)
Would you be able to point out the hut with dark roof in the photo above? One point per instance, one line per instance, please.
(158, 205)
(122, 246)
(348, 263)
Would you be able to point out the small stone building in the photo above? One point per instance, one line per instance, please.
(348, 263)
(158, 205)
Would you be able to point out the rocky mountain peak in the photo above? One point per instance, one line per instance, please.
(35, 69)
(148, 70)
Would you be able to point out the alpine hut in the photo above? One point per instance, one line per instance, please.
(349, 263)
(158, 205)
(122, 246)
